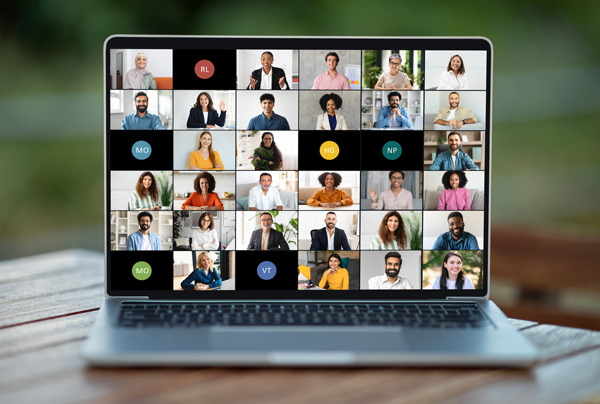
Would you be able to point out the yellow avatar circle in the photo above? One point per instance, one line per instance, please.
(329, 150)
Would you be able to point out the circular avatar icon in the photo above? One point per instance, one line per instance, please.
(141, 271)
(392, 150)
(141, 150)
(204, 69)
(266, 270)
(329, 150)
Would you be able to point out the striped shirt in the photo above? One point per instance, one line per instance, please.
(378, 244)
(137, 203)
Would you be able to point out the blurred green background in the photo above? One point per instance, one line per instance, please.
(546, 169)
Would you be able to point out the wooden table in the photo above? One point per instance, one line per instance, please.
(48, 304)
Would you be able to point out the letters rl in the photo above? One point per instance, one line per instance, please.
(204, 69)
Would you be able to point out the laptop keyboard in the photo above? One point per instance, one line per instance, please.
(417, 315)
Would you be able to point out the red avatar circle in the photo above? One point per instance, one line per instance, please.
(204, 69)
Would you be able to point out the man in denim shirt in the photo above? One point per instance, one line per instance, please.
(394, 116)
(268, 120)
(142, 119)
(457, 238)
(143, 239)
(453, 158)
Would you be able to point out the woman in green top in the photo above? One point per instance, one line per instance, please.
(267, 156)
(139, 78)
(145, 196)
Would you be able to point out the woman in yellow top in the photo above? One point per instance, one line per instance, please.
(205, 158)
(336, 276)
(330, 197)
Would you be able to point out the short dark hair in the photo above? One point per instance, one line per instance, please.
(330, 213)
(462, 178)
(144, 214)
(393, 254)
(212, 222)
(337, 58)
(337, 179)
(454, 133)
(454, 92)
(260, 177)
(455, 214)
(394, 94)
(209, 178)
(267, 96)
(139, 93)
(266, 213)
(334, 255)
(396, 171)
(336, 98)
(268, 53)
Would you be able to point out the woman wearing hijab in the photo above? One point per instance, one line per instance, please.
(267, 156)
(139, 78)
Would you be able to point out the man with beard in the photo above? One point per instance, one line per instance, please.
(143, 239)
(454, 115)
(330, 238)
(456, 238)
(268, 120)
(266, 238)
(263, 196)
(391, 279)
(142, 119)
(453, 158)
(394, 116)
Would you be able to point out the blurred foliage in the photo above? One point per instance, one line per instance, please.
(545, 165)
(472, 266)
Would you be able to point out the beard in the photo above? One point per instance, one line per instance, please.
(141, 108)
(392, 273)
(330, 225)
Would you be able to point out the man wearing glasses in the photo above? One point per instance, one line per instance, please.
(394, 116)
(267, 239)
(457, 238)
(394, 79)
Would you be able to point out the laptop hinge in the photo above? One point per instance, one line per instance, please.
(465, 298)
(131, 297)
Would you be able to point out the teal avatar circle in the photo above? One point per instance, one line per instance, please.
(141, 150)
(392, 150)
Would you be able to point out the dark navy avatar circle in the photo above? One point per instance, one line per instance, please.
(141, 150)
(392, 150)
(266, 270)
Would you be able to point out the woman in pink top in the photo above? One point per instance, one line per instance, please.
(395, 197)
(455, 196)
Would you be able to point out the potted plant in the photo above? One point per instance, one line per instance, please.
(166, 188)
(371, 77)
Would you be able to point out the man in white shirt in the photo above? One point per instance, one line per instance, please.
(330, 238)
(262, 196)
(391, 279)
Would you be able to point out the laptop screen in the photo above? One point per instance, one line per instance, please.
(297, 168)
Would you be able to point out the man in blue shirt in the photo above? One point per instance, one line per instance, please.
(453, 159)
(142, 119)
(394, 116)
(457, 238)
(268, 120)
(143, 239)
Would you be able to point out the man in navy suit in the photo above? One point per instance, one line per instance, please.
(330, 237)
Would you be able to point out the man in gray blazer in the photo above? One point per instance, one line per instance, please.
(267, 238)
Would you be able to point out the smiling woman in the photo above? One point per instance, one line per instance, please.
(139, 78)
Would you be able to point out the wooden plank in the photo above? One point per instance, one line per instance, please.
(554, 341)
(546, 313)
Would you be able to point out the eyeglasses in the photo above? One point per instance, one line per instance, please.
(457, 224)
(396, 178)
(395, 64)
(206, 221)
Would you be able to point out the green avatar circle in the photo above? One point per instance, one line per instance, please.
(141, 271)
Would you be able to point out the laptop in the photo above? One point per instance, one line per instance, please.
(299, 201)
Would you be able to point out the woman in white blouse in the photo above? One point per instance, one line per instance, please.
(330, 120)
(454, 78)
(395, 197)
(206, 238)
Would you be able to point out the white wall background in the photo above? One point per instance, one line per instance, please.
(473, 100)
(286, 141)
(184, 143)
(160, 102)
(159, 62)
(433, 179)
(371, 220)
(122, 185)
(247, 179)
(316, 220)
(184, 100)
(349, 179)
(436, 62)
(436, 223)
(310, 108)
(249, 60)
(184, 182)
(372, 263)
(247, 223)
(286, 105)
(222, 226)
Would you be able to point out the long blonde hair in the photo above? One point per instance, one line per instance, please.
(210, 256)
(211, 154)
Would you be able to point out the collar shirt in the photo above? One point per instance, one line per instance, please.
(384, 121)
(330, 244)
(449, 81)
(205, 239)
(266, 80)
(446, 242)
(276, 122)
(460, 114)
(257, 199)
(382, 282)
(325, 82)
(135, 241)
(146, 122)
(444, 161)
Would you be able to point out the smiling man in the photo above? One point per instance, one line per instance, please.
(143, 239)
(456, 238)
(394, 116)
(453, 158)
(142, 119)
(330, 237)
(263, 196)
(454, 115)
(268, 120)
(391, 279)
(266, 238)
(331, 79)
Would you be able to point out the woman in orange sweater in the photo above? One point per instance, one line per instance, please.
(205, 158)
(204, 198)
(336, 277)
(330, 197)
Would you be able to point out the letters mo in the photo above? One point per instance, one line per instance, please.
(142, 150)
(142, 270)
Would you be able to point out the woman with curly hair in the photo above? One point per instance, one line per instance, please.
(204, 115)
(267, 156)
(329, 120)
(205, 158)
(145, 196)
(453, 276)
(330, 196)
(455, 196)
(204, 198)
(392, 233)
(205, 276)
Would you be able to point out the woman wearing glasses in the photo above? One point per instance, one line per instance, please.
(394, 79)
(206, 238)
(396, 197)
